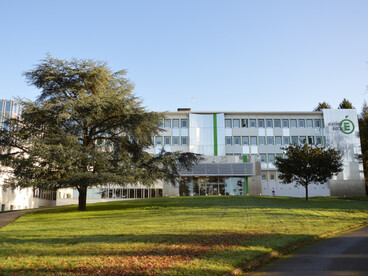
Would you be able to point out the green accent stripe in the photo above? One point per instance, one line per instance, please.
(246, 185)
(245, 159)
(215, 135)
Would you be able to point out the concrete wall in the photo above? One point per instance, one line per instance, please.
(354, 187)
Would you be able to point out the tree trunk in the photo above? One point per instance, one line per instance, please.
(82, 198)
(306, 192)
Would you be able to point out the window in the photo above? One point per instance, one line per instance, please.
(278, 140)
(272, 176)
(279, 155)
(264, 175)
(262, 140)
(310, 140)
(237, 140)
(269, 123)
(285, 123)
(184, 140)
(302, 139)
(253, 140)
(277, 122)
(158, 140)
(176, 140)
(236, 122)
(319, 140)
(167, 123)
(271, 158)
(244, 122)
(293, 123)
(228, 140)
(269, 140)
(294, 140)
(252, 122)
(175, 123)
(184, 123)
(301, 123)
(167, 140)
(160, 123)
(286, 140)
(245, 140)
(317, 123)
(261, 123)
(309, 123)
(228, 123)
(263, 157)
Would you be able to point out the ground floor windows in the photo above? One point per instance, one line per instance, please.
(212, 185)
(44, 194)
(127, 193)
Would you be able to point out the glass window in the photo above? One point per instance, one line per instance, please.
(237, 140)
(302, 139)
(167, 123)
(317, 123)
(278, 140)
(263, 157)
(228, 140)
(228, 123)
(160, 123)
(310, 140)
(279, 155)
(175, 123)
(269, 123)
(285, 123)
(271, 158)
(236, 122)
(262, 140)
(293, 123)
(309, 123)
(294, 140)
(261, 123)
(252, 122)
(286, 140)
(176, 140)
(269, 140)
(253, 140)
(184, 140)
(158, 140)
(264, 175)
(167, 140)
(244, 122)
(245, 140)
(272, 176)
(301, 123)
(319, 140)
(184, 123)
(277, 122)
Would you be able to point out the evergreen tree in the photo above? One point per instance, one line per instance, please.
(322, 105)
(363, 132)
(306, 164)
(345, 104)
(85, 129)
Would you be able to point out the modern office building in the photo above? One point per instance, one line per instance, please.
(239, 150)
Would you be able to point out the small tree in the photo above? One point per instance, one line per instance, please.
(345, 104)
(85, 129)
(306, 164)
(321, 106)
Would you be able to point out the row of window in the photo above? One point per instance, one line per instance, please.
(168, 140)
(273, 140)
(270, 175)
(271, 123)
(174, 123)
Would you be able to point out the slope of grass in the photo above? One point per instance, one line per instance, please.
(167, 236)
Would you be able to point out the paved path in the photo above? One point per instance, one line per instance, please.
(346, 254)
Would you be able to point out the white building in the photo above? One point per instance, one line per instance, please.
(239, 149)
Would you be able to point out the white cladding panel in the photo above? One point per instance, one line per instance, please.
(342, 133)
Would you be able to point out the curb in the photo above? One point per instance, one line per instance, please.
(257, 262)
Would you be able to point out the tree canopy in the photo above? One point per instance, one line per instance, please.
(345, 104)
(306, 164)
(322, 105)
(86, 128)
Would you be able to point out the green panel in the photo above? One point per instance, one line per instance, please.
(246, 185)
(215, 153)
(245, 159)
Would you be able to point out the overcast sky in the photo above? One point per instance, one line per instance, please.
(206, 55)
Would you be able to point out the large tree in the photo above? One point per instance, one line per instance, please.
(363, 132)
(85, 129)
(306, 164)
(345, 104)
(322, 105)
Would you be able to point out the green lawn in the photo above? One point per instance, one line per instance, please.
(166, 236)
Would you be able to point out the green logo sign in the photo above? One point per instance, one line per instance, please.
(347, 126)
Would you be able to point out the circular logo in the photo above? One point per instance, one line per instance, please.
(347, 126)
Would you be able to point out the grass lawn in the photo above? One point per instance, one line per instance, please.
(167, 236)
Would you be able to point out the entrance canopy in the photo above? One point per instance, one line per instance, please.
(220, 169)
